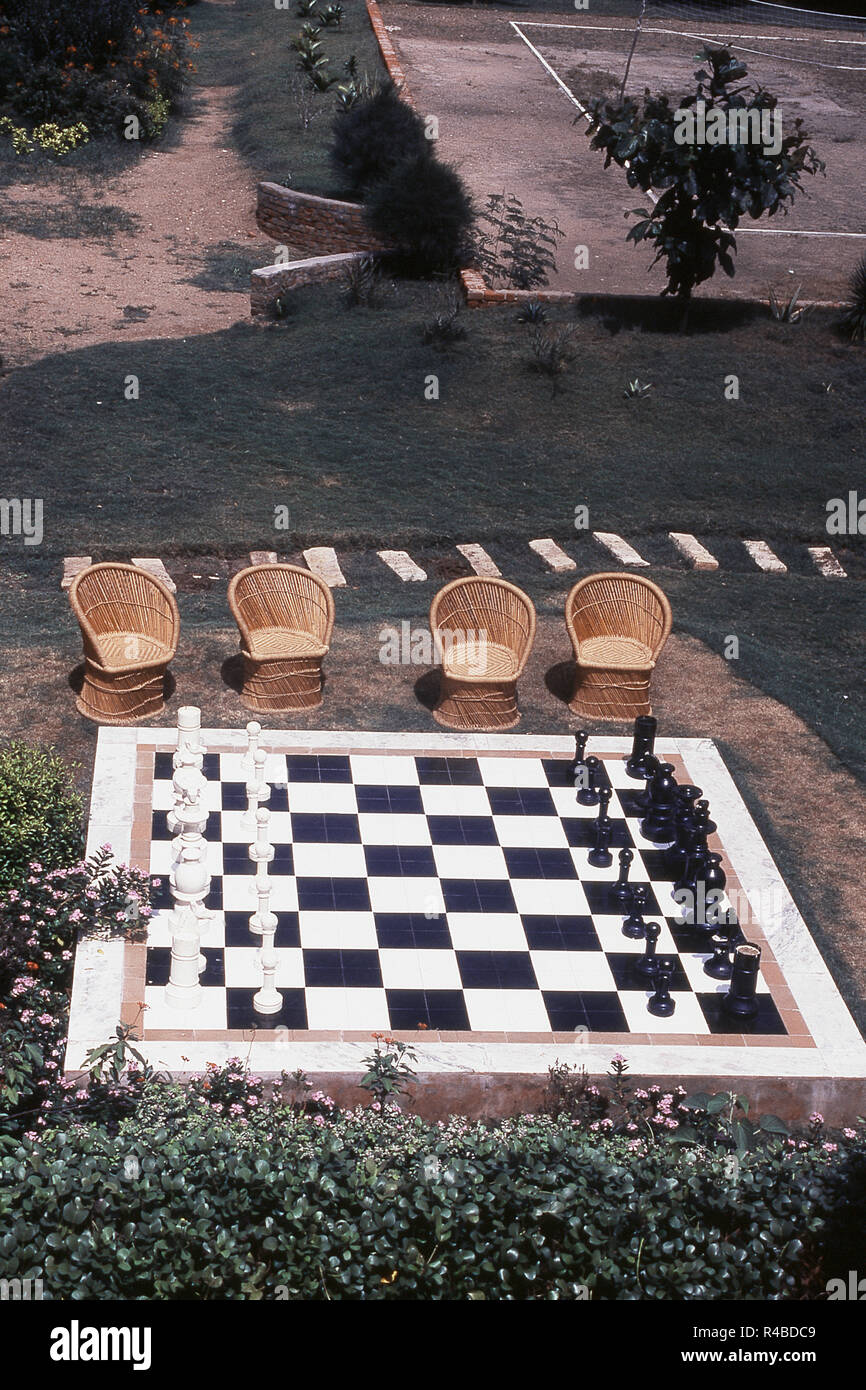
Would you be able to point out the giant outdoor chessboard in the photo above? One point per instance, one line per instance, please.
(439, 888)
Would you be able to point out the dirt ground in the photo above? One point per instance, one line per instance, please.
(132, 279)
(506, 124)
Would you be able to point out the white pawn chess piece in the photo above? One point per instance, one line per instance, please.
(254, 733)
(268, 999)
(257, 792)
(190, 880)
(261, 852)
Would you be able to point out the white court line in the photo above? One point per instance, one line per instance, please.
(744, 231)
(705, 37)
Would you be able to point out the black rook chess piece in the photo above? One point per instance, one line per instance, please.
(640, 764)
(661, 1003)
(740, 999)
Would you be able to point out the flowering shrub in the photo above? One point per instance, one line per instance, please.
(41, 814)
(100, 60)
(51, 138)
(39, 922)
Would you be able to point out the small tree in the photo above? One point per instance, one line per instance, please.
(706, 184)
(512, 247)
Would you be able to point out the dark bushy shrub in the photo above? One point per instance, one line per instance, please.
(374, 135)
(41, 814)
(87, 30)
(423, 210)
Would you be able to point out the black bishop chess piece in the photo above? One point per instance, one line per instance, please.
(600, 856)
(659, 823)
(641, 763)
(645, 966)
(634, 925)
(588, 793)
(620, 894)
(660, 1003)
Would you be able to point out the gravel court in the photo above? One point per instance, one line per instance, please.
(506, 124)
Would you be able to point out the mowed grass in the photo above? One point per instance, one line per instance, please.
(328, 415)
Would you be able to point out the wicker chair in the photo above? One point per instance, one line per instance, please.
(618, 624)
(285, 615)
(483, 631)
(130, 626)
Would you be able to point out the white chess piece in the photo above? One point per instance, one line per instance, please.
(189, 735)
(268, 999)
(254, 733)
(183, 990)
(261, 852)
(257, 792)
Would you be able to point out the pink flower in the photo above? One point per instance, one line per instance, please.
(850, 1133)
(830, 1148)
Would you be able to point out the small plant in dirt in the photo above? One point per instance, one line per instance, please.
(854, 317)
(533, 311)
(362, 284)
(280, 307)
(553, 351)
(388, 1069)
(305, 100)
(706, 187)
(512, 248)
(373, 135)
(422, 209)
(786, 310)
(444, 329)
(307, 7)
(332, 15)
(637, 390)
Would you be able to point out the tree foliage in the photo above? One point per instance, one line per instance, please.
(705, 188)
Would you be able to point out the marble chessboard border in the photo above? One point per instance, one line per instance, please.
(821, 1058)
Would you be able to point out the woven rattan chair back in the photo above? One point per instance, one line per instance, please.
(281, 596)
(619, 605)
(116, 598)
(490, 611)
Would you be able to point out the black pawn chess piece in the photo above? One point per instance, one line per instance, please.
(604, 797)
(579, 765)
(621, 893)
(659, 823)
(645, 727)
(645, 965)
(588, 793)
(660, 1003)
(740, 1000)
(600, 856)
(641, 800)
(713, 880)
(634, 926)
(719, 965)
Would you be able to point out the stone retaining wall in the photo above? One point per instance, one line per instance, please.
(267, 284)
(324, 226)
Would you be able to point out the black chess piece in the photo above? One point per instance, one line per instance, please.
(661, 1003)
(645, 965)
(740, 1000)
(645, 727)
(578, 767)
(641, 800)
(634, 926)
(719, 965)
(711, 890)
(659, 823)
(600, 857)
(588, 794)
(620, 893)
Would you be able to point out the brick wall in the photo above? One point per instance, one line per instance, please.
(273, 280)
(323, 226)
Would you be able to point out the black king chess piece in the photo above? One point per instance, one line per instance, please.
(641, 762)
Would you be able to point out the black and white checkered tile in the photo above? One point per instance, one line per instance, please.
(446, 893)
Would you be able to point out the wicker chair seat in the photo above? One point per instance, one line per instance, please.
(132, 651)
(274, 643)
(481, 661)
(615, 653)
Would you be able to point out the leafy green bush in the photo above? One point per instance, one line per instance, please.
(373, 135)
(423, 210)
(513, 248)
(41, 813)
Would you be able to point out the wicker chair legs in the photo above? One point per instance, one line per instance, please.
(470, 706)
(124, 697)
(605, 694)
(282, 686)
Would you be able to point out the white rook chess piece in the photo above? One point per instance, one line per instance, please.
(268, 999)
(261, 852)
(257, 792)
